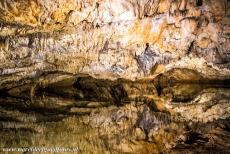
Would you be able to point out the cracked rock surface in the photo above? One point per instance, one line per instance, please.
(115, 38)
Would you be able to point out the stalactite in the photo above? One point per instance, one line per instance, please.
(43, 42)
(7, 44)
(1, 26)
(226, 7)
(30, 41)
(173, 8)
(150, 8)
(182, 5)
(38, 44)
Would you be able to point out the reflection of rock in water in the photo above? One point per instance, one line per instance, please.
(103, 116)
(149, 120)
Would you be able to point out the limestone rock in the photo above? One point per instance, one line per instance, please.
(109, 37)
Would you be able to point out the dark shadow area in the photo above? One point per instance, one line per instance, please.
(90, 89)
(3, 93)
(199, 2)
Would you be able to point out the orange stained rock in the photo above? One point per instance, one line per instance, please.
(61, 14)
(143, 33)
(164, 6)
(26, 12)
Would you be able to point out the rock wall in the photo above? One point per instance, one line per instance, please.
(130, 39)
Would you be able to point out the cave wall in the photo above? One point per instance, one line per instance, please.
(115, 38)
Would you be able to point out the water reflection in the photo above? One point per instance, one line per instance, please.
(118, 117)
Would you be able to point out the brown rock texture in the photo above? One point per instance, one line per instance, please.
(114, 38)
(116, 76)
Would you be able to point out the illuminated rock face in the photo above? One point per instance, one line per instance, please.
(115, 38)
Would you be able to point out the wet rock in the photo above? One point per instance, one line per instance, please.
(148, 120)
(151, 124)
(103, 90)
(115, 76)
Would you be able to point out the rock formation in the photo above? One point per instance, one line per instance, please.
(115, 38)
(115, 76)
